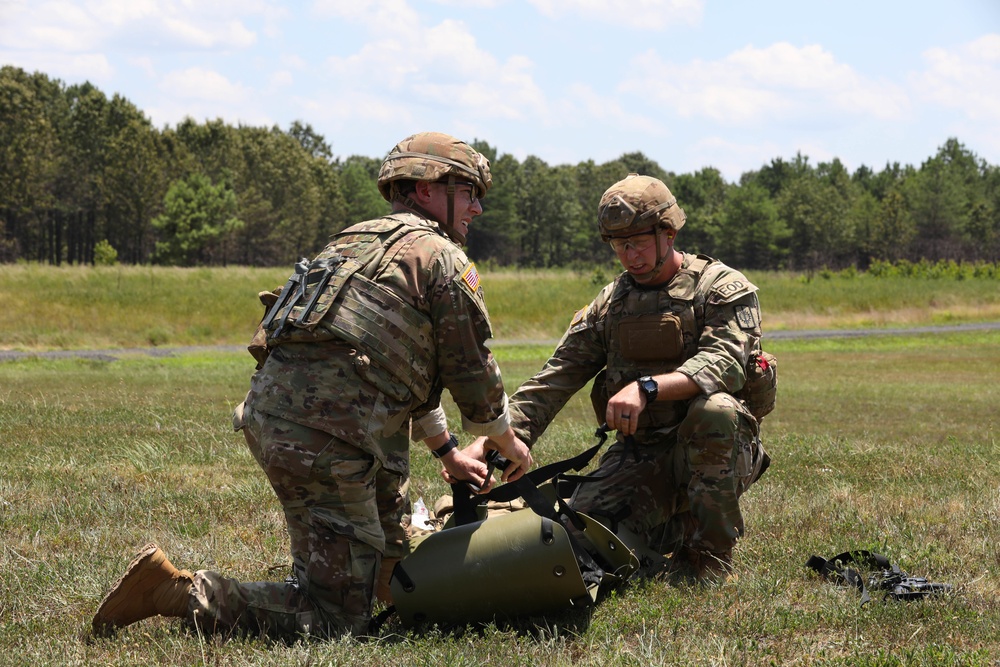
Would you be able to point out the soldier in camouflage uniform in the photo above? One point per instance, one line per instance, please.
(669, 342)
(360, 345)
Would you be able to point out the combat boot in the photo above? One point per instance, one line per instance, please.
(383, 592)
(151, 586)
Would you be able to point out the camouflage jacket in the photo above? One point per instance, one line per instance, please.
(711, 318)
(319, 378)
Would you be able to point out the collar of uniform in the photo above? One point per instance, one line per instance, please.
(417, 220)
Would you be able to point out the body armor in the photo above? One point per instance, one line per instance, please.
(335, 297)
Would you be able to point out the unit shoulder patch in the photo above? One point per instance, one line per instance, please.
(747, 317)
(731, 288)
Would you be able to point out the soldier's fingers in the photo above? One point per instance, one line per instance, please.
(512, 472)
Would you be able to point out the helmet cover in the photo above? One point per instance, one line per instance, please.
(434, 156)
(637, 203)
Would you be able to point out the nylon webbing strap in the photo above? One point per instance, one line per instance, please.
(465, 501)
(885, 576)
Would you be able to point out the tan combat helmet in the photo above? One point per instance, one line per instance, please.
(635, 204)
(434, 156)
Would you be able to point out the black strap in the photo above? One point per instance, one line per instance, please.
(465, 502)
(885, 576)
(375, 625)
(295, 283)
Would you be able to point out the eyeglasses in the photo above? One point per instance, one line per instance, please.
(469, 192)
(638, 242)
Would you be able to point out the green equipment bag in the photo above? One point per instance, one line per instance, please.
(525, 563)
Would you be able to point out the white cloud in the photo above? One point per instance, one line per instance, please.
(584, 104)
(394, 17)
(442, 65)
(349, 107)
(293, 61)
(640, 14)
(751, 85)
(144, 63)
(197, 83)
(224, 34)
(281, 79)
(967, 78)
(482, 4)
(731, 158)
(61, 27)
(121, 12)
(67, 26)
(70, 67)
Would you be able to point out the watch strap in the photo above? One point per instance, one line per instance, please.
(446, 447)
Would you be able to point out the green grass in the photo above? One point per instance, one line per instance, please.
(128, 306)
(887, 444)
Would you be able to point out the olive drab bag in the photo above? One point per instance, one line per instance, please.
(520, 564)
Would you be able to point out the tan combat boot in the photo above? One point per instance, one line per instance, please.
(150, 586)
(383, 592)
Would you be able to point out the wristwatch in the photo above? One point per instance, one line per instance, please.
(648, 387)
(446, 447)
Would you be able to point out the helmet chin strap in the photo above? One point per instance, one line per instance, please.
(660, 261)
(447, 227)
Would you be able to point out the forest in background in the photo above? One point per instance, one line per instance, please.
(88, 179)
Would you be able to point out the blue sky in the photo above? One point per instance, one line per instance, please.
(690, 83)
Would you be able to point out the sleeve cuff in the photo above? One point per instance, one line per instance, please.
(433, 423)
(498, 426)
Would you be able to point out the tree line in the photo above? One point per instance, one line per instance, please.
(88, 179)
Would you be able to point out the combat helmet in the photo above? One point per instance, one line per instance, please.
(636, 204)
(434, 156)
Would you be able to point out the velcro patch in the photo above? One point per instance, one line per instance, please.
(579, 320)
(471, 277)
(747, 317)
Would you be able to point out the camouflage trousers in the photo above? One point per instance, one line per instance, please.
(343, 511)
(685, 490)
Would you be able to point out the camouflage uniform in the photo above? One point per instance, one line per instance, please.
(697, 456)
(329, 422)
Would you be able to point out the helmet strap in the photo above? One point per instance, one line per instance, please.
(660, 259)
(447, 226)
(412, 205)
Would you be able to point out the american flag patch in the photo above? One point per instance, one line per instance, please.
(579, 322)
(471, 277)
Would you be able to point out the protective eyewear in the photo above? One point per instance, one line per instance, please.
(638, 242)
(463, 187)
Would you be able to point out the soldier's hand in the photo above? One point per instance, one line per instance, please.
(477, 449)
(460, 467)
(624, 409)
(515, 451)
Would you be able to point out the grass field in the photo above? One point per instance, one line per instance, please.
(129, 306)
(887, 444)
